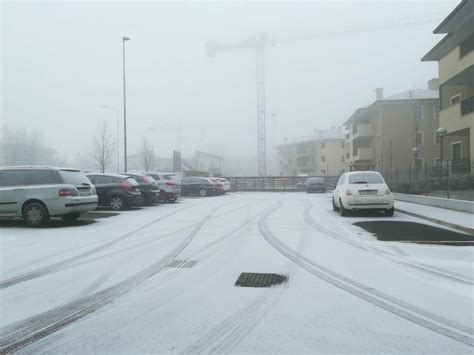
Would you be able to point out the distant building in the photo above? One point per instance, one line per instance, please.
(394, 131)
(320, 154)
(455, 56)
(201, 162)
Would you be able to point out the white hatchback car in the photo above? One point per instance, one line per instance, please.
(362, 190)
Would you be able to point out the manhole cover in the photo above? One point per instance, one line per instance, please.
(180, 263)
(250, 279)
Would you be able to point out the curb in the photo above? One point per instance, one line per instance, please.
(437, 221)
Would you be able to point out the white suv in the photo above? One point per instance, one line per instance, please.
(37, 193)
(362, 190)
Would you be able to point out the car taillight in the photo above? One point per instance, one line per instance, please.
(169, 183)
(348, 193)
(147, 179)
(126, 185)
(68, 192)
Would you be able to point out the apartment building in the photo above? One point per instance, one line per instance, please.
(319, 154)
(455, 57)
(394, 131)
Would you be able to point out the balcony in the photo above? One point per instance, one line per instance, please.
(467, 106)
(364, 154)
(363, 130)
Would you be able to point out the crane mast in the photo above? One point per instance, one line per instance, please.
(258, 43)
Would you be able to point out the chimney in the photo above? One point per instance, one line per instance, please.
(433, 84)
(378, 93)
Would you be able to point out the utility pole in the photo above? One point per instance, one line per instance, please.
(124, 39)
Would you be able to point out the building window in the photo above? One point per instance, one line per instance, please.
(453, 100)
(419, 138)
(348, 155)
(466, 47)
(302, 161)
(323, 171)
(437, 138)
(323, 158)
(342, 159)
(343, 145)
(436, 161)
(456, 150)
(301, 149)
(418, 112)
(436, 112)
(323, 145)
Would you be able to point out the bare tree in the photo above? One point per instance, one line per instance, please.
(148, 155)
(103, 147)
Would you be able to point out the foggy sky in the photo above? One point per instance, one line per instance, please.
(62, 61)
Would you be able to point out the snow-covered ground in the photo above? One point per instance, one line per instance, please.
(104, 288)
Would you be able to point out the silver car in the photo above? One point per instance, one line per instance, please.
(37, 193)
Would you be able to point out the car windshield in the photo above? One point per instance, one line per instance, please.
(316, 181)
(170, 177)
(74, 177)
(365, 178)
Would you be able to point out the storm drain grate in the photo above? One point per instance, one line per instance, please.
(250, 279)
(181, 263)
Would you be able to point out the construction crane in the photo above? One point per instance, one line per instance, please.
(258, 42)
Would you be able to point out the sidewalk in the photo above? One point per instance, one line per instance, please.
(458, 220)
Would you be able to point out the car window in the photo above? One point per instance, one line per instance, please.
(365, 178)
(42, 176)
(12, 177)
(155, 176)
(103, 180)
(341, 180)
(74, 177)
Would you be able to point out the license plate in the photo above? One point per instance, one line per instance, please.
(368, 192)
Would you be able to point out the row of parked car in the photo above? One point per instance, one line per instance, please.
(38, 193)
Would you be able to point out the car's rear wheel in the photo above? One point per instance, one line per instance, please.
(71, 216)
(117, 203)
(35, 214)
(334, 207)
(389, 212)
(203, 192)
(342, 210)
(173, 199)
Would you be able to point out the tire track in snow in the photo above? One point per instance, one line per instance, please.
(48, 269)
(229, 333)
(456, 331)
(27, 331)
(382, 253)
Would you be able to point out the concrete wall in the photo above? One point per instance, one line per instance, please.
(456, 205)
(452, 64)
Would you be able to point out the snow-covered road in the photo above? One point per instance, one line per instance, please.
(105, 286)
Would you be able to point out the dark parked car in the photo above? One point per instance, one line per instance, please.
(316, 184)
(197, 186)
(148, 187)
(116, 191)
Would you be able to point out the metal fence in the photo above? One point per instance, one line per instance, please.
(452, 179)
(274, 183)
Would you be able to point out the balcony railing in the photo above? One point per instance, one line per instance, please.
(467, 105)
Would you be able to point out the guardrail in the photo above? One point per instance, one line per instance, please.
(274, 183)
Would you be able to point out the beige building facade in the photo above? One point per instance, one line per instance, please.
(394, 132)
(321, 154)
(455, 56)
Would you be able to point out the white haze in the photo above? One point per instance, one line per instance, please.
(62, 61)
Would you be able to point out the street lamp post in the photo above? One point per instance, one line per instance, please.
(415, 153)
(118, 134)
(124, 39)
